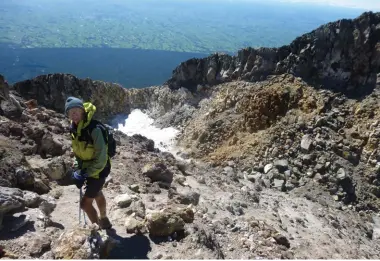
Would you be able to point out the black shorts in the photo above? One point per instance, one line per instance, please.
(94, 186)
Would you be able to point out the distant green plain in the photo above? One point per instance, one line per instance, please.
(184, 28)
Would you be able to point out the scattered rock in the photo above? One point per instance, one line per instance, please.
(282, 240)
(267, 168)
(123, 201)
(281, 165)
(306, 143)
(158, 172)
(186, 198)
(31, 199)
(135, 188)
(341, 174)
(47, 205)
(137, 208)
(133, 225)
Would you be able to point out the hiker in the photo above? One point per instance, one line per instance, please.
(92, 162)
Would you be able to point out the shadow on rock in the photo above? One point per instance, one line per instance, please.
(57, 225)
(15, 227)
(176, 236)
(134, 247)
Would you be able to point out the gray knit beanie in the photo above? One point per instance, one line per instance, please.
(73, 102)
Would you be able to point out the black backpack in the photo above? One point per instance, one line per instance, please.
(107, 135)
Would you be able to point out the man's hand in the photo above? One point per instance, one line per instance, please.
(79, 178)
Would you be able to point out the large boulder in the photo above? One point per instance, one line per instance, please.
(35, 244)
(168, 221)
(54, 168)
(158, 172)
(81, 243)
(11, 199)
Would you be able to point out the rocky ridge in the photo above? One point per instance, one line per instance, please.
(342, 56)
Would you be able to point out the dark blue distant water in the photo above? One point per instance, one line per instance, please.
(129, 67)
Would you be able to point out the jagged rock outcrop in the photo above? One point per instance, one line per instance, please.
(111, 99)
(342, 56)
(9, 106)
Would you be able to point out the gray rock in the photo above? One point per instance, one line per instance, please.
(267, 168)
(37, 244)
(307, 159)
(289, 185)
(108, 181)
(306, 143)
(251, 178)
(47, 205)
(376, 228)
(47, 255)
(201, 180)
(40, 187)
(282, 165)
(341, 174)
(229, 171)
(132, 225)
(278, 183)
(31, 199)
(282, 240)
(136, 208)
(288, 174)
(25, 179)
(158, 172)
(319, 167)
(54, 168)
(168, 221)
(134, 187)
(10, 199)
(123, 201)
(88, 244)
(185, 197)
(9, 106)
(51, 146)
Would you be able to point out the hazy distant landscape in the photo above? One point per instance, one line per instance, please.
(138, 43)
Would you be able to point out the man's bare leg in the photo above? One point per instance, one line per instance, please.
(104, 222)
(86, 205)
(102, 205)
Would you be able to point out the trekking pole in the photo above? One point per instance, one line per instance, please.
(80, 209)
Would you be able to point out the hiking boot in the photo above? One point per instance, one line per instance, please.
(104, 223)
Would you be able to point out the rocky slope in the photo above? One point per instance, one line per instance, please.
(162, 207)
(278, 168)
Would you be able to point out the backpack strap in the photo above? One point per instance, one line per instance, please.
(94, 124)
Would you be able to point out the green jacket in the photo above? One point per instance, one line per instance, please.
(90, 153)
